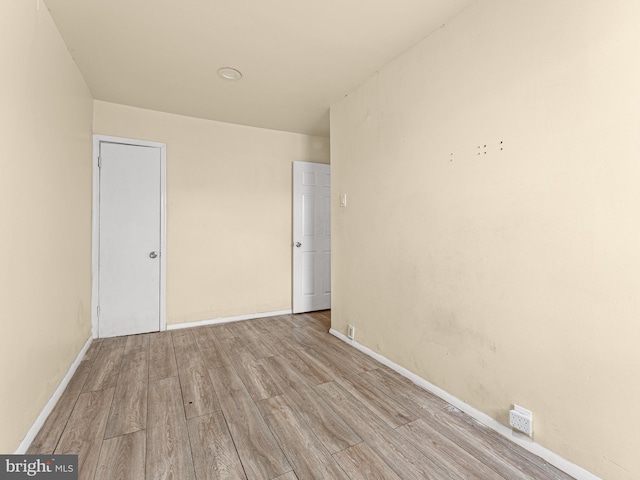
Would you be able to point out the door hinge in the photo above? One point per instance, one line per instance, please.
(98, 311)
(99, 162)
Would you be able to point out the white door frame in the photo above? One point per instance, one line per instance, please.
(95, 224)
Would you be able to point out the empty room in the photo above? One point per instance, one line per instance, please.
(285, 239)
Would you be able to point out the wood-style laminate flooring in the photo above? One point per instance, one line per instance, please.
(273, 398)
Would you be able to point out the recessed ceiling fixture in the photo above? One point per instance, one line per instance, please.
(228, 73)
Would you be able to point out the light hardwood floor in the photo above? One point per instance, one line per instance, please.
(273, 398)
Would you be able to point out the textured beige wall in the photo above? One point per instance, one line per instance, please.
(45, 215)
(510, 276)
(228, 209)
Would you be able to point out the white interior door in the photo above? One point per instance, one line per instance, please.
(129, 239)
(311, 237)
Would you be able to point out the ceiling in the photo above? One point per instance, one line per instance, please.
(297, 57)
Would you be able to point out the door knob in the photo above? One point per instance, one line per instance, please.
(153, 254)
(298, 244)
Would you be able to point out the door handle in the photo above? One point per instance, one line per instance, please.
(153, 254)
(298, 244)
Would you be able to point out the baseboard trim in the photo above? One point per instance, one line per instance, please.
(237, 318)
(525, 442)
(37, 425)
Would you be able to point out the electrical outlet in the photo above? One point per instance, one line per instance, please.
(521, 419)
(351, 332)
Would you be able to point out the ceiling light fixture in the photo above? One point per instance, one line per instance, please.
(228, 73)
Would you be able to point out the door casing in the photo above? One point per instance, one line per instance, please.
(95, 224)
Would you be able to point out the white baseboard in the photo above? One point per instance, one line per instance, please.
(237, 318)
(522, 440)
(37, 425)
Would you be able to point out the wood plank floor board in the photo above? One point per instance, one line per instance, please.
(403, 457)
(334, 346)
(93, 350)
(287, 476)
(343, 353)
(282, 340)
(259, 341)
(214, 355)
(240, 330)
(256, 343)
(198, 393)
(214, 453)
(392, 412)
(106, 366)
(210, 348)
(283, 374)
(453, 458)
(287, 321)
(260, 454)
(254, 375)
(518, 456)
(299, 338)
(404, 391)
(168, 448)
(329, 362)
(239, 327)
(233, 346)
(309, 458)
(281, 323)
(129, 407)
(475, 438)
(162, 359)
(309, 370)
(277, 343)
(137, 342)
(48, 437)
(84, 431)
(331, 429)
(262, 344)
(362, 463)
(304, 320)
(123, 457)
(267, 325)
(182, 337)
(223, 330)
(489, 452)
(263, 397)
(325, 316)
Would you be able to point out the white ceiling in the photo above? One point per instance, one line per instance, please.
(297, 56)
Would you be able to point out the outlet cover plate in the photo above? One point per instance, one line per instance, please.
(521, 419)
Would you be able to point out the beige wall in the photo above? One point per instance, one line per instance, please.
(45, 215)
(510, 276)
(228, 209)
